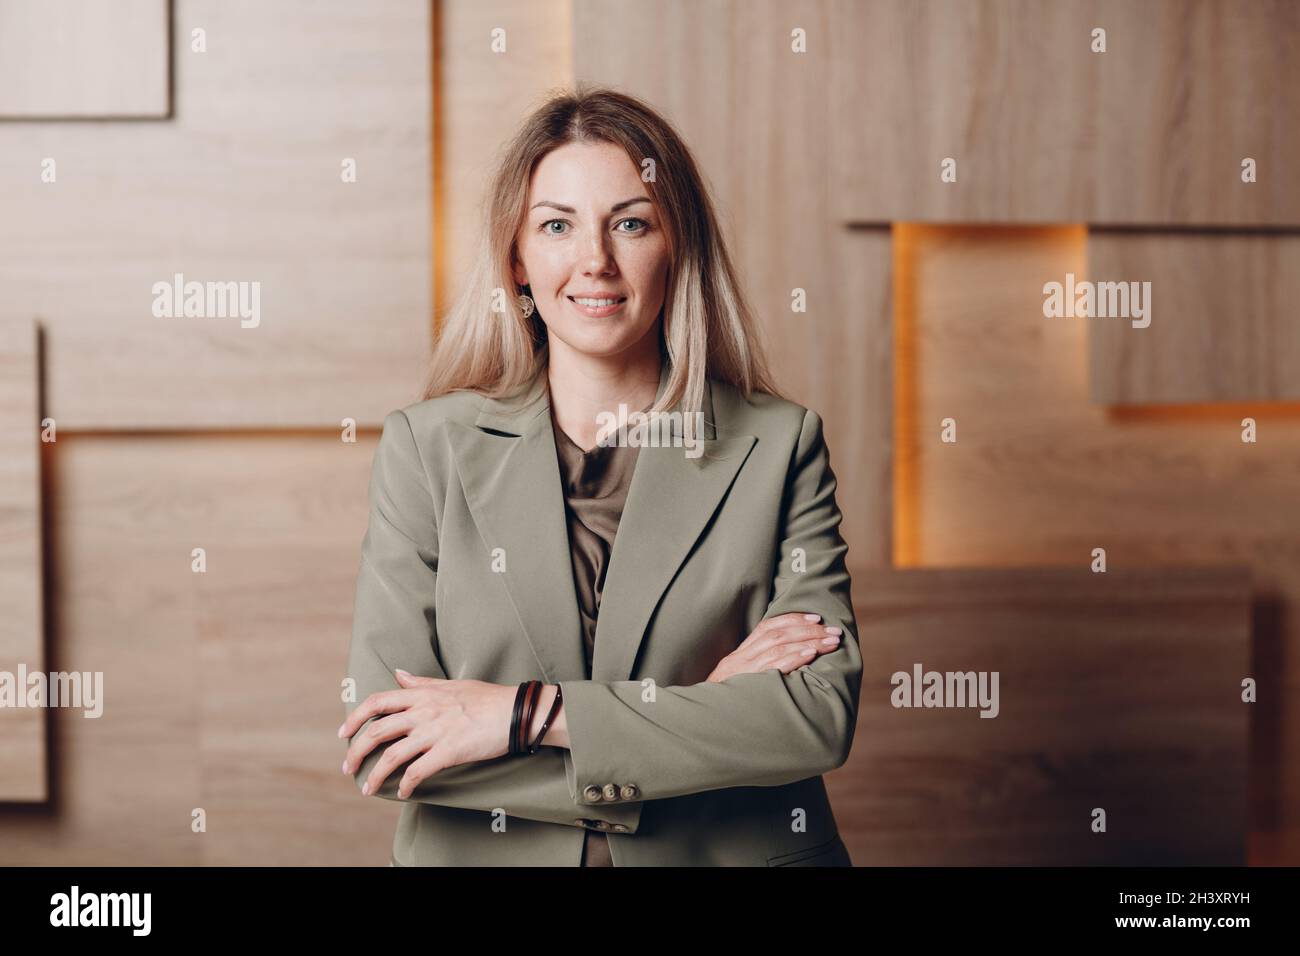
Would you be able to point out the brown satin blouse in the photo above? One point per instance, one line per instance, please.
(595, 489)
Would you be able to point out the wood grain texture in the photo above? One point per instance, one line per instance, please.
(482, 98)
(78, 59)
(1118, 691)
(1040, 475)
(221, 688)
(243, 185)
(22, 611)
(1154, 130)
(1222, 318)
(757, 118)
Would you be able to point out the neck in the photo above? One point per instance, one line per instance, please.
(583, 387)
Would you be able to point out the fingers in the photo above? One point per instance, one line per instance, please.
(772, 625)
(795, 658)
(785, 658)
(387, 728)
(396, 755)
(412, 680)
(779, 638)
(786, 641)
(421, 770)
(785, 655)
(383, 702)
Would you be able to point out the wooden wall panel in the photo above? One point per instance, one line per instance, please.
(221, 689)
(84, 58)
(757, 118)
(855, 395)
(1222, 325)
(1119, 691)
(243, 185)
(482, 97)
(1154, 130)
(22, 612)
(1039, 475)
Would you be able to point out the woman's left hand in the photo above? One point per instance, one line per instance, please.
(449, 722)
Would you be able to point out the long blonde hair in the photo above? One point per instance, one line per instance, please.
(708, 330)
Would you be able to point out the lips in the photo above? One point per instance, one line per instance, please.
(597, 306)
(594, 300)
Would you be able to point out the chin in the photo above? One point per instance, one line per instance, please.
(600, 346)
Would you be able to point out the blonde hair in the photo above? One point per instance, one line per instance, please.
(708, 330)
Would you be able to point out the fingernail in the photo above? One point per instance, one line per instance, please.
(341, 726)
(831, 640)
(812, 617)
(365, 788)
(345, 766)
(403, 673)
(833, 630)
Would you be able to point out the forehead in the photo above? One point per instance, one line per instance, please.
(575, 170)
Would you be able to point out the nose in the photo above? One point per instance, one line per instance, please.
(597, 259)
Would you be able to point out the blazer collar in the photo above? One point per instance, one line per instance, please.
(510, 474)
(521, 414)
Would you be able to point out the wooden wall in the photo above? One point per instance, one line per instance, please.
(1225, 331)
(221, 687)
(63, 59)
(1039, 475)
(758, 118)
(1085, 762)
(1044, 129)
(926, 296)
(23, 740)
(924, 303)
(243, 183)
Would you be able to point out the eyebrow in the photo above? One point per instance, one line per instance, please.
(614, 208)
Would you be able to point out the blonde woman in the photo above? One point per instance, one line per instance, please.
(602, 614)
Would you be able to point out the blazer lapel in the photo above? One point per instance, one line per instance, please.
(511, 478)
(669, 503)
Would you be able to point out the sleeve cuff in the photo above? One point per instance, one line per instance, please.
(612, 805)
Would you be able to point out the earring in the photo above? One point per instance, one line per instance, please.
(526, 304)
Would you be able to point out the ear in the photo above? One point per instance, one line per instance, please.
(517, 270)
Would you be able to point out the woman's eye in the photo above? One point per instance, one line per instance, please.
(558, 227)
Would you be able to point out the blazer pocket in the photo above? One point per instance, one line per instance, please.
(817, 855)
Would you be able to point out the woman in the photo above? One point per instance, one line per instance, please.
(585, 648)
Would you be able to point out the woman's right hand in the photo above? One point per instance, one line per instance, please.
(785, 642)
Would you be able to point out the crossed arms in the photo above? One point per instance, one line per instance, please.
(757, 729)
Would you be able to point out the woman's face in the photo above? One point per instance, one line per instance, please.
(592, 233)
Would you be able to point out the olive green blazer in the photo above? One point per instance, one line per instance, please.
(465, 574)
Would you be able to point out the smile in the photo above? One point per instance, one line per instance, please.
(598, 308)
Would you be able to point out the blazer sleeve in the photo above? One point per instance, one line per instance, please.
(764, 729)
(394, 626)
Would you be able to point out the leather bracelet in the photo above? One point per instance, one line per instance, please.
(525, 714)
(546, 724)
(531, 692)
(532, 710)
(515, 715)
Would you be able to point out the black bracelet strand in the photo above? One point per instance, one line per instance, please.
(546, 724)
(514, 717)
(530, 707)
